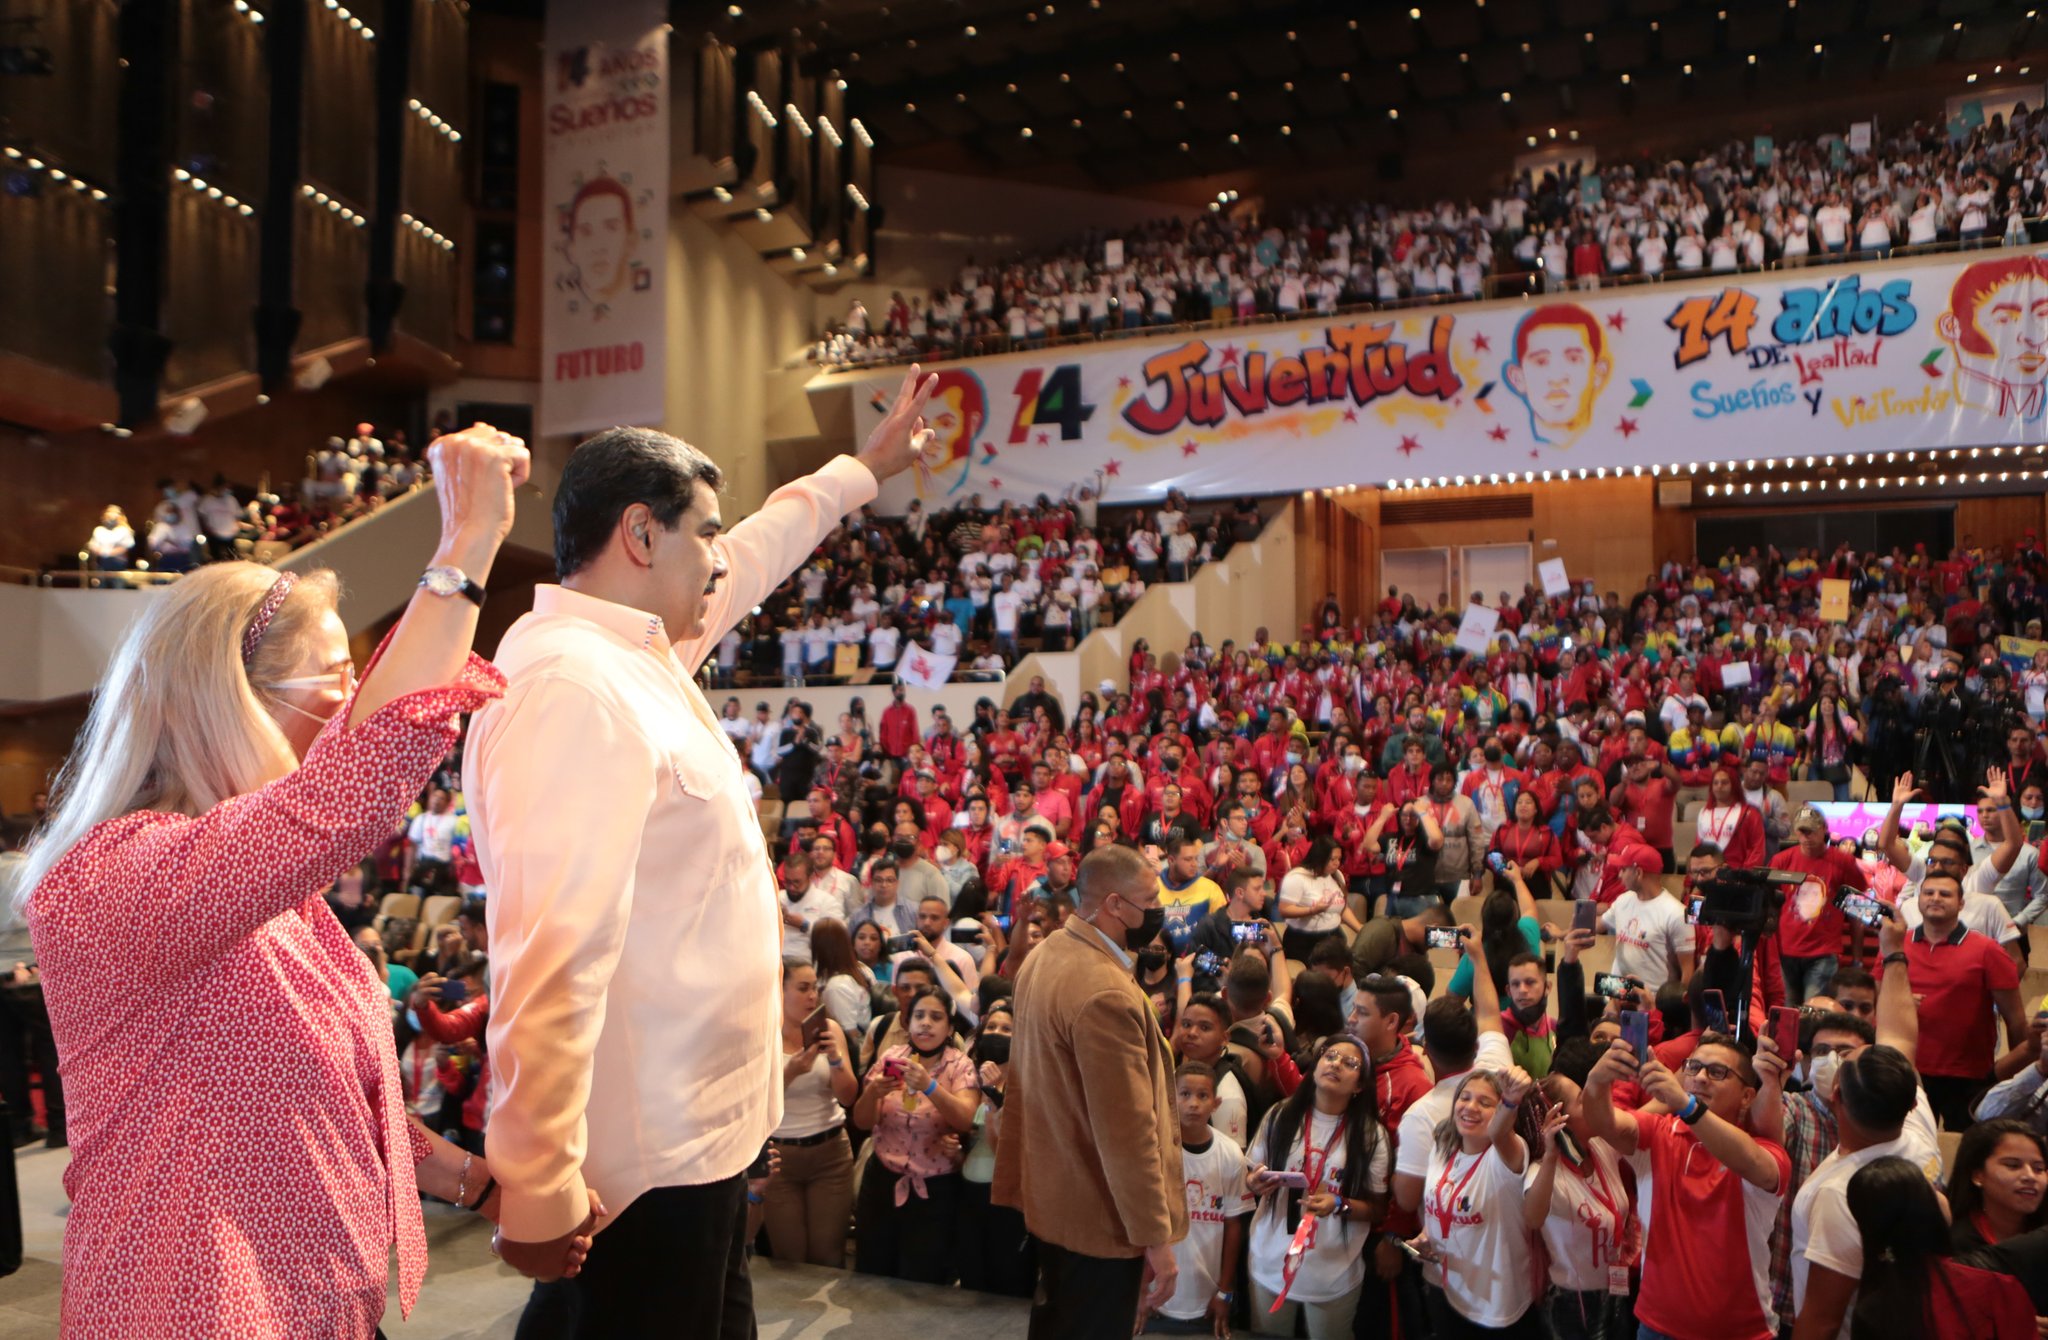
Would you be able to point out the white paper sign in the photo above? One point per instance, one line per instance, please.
(925, 669)
(1555, 583)
(1113, 253)
(1475, 630)
(1859, 137)
(604, 311)
(1735, 675)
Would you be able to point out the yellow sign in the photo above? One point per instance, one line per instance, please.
(1834, 600)
(845, 659)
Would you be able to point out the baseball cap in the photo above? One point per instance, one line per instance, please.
(1809, 820)
(1043, 828)
(1638, 856)
(1056, 850)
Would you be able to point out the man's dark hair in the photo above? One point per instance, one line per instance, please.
(1195, 1070)
(1574, 1059)
(1332, 953)
(1416, 968)
(1237, 879)
(1450, 1035)
(1812, 1022)
(1247, 983)
(609, 473)
(1878, 1086)
(1392, 998)
(916, 963)
(880, 865)
(472, 911)
(1855, 976)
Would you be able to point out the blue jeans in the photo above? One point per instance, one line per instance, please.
(1806, 978)
(1644, 1332)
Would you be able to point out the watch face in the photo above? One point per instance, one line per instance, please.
(442, 581)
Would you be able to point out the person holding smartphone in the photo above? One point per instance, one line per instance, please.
(1474, 1237)
(809, 1201)
(918, 1098)
(1320, 1165)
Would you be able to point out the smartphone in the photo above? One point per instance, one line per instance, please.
(1715, 1006)
(1635, 1030)
(893, 1067)
(1246, 932)
(1586, 916)
(1497, 862)
(454, 991)
(901, 944)
(1693, 908)
(1862, 907)
(965, 935)
(812, 1028)
(1291, 1177)
(1003, 924)
(1405, 1245)
(1612, 985)
(1785, 1031)
(759, 1168)
(1444, 937)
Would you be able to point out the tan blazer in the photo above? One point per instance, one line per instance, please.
(1090, 1106)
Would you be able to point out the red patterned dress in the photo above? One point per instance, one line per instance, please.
(241, 1162)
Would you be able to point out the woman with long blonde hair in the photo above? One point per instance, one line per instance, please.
(232, 765)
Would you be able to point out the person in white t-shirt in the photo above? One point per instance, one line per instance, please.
(1651, 938)
(1319, 1168)
(1473, 1235)
(1578, 1200)
(1006, 605)
(884, 641)
(1832, 220)
(1874, 1092)
(1213, 1171)
(430, 843)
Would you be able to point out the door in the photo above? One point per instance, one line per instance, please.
(1422, 573)
(1490, 569)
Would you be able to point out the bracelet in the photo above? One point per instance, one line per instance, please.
(462, 1180)
(1184, 981)
(490, 1185)
(753, 1199)
(833, 1062)
(1693, 1110)
(931, 1088)
(1896, 956)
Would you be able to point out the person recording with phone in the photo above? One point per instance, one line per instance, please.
(809, 1201)
(917, 1100)
(1231, 927)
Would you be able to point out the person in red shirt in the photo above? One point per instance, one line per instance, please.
(1959, 977)
(1528, 842)
(1730, 822)
(1907, 1271)
(1598, 877)
(1810, 924)
(1711, 1189)
(1646, 799)
(899, 726)
(1410, 781)
(833, 826)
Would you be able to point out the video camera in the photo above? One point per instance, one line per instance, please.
(1742, 899)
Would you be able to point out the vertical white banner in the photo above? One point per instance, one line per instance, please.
(603, 321)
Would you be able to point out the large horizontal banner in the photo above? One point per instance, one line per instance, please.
(1835, 360)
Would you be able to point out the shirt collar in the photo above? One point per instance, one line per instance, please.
(1086, 930)
(637, 628)
(1955, 937)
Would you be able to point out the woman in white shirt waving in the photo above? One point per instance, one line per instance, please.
(1320, 1173)
(1473, 1233)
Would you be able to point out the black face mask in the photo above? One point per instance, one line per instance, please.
(1148, 928)
(1151, 959)
(993, 1047)
(1493, 755)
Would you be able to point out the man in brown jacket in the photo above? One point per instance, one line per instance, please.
(1090, 1113)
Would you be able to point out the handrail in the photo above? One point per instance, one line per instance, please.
(1494, 287)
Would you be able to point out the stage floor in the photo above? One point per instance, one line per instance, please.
(470, 1295)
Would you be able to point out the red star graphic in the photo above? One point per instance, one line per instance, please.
(1627, 427)
(1498, 433)
(1228, 353)
(1351, 416)
(1535, 455)
(1616, 320)
(1188, 448)
(1113, 467)
(1123, 383)
(990, 450)
(1409, 446)
(1045, 439)
(1480, 344)
(995, 483)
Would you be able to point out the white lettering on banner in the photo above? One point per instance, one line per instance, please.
(603, 324)
(1951, 351)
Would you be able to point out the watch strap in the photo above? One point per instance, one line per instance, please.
(469, 589)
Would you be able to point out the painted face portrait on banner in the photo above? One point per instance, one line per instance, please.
(955, 414)
(1559, 369)
(1997, 324)
(598, 239)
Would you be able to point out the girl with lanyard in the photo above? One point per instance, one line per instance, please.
(1730, 822)
(1528, 842)
(1319, 1171)
(1579, 1203)
(1473, 1232)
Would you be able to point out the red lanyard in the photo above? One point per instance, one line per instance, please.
(1313, 1165)
(1444, 1210)
(1596, 1187)
(1522, 841)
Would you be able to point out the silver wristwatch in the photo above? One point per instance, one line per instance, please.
(446, 581)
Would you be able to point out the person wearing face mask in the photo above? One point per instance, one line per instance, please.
(1493, 788)
(995, 1253)
(915, 1096)
(1088, 1094)
(243, 772)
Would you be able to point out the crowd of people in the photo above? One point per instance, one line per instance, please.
(974, 584)
(347, 479)
(1389, 1119)
(1735, 206)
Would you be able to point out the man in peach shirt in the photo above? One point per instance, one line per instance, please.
(623, 855)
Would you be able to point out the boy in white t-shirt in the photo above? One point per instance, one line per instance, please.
(1651, 938)
(1212, 1165)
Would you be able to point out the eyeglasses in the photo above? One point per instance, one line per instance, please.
(1713, 1070)
(337, 681)
(1344, 1061)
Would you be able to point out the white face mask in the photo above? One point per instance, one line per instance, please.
(944, 855)
(1821, 1075)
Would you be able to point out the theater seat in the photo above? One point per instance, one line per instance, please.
(1804, 793)
(439, 909)
(1949, 1141)
(1684, 837)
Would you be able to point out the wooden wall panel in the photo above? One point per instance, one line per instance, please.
(210, 297)
(2001, 520)
(333, 259)
(53, 272)
(67, 116)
